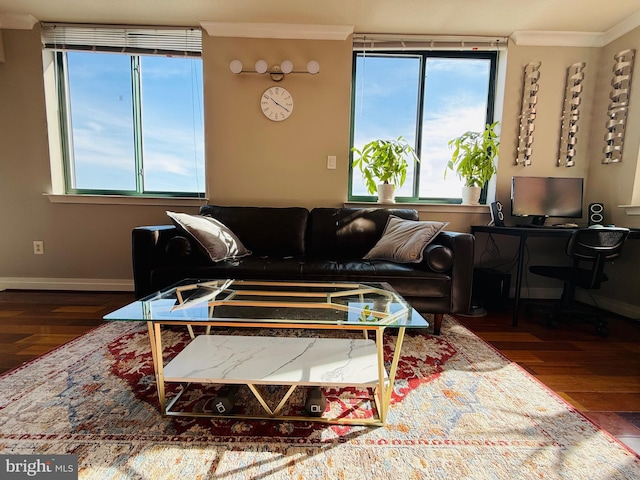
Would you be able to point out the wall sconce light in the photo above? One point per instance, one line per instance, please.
(570, 115)
(277, 72)
(528, 113)
(618, 106)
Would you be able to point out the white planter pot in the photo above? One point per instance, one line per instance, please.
(386, 193)
(471, 195)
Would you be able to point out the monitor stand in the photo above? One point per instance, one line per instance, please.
(538, 220)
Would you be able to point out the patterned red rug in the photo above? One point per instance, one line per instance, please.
(460, 410)
(416, 368)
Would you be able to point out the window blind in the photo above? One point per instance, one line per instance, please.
(123, 39)
(381, 42)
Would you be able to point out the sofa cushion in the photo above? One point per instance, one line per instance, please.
(211, 236)
(404, 241)
(266, 231)
(404, 278)
(349, 233)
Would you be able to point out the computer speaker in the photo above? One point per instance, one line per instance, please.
(497, 214)
(596, 213)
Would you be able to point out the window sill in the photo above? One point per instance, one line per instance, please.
(125, 200)
(424, 207)
(631, 209)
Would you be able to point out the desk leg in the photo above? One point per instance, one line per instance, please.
(520, 266)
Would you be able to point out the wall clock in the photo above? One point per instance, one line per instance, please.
(276, 103)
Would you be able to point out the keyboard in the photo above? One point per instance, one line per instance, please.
(558, 225)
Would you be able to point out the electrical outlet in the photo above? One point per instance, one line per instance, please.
(38, 247)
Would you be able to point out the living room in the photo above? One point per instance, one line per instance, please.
(284, 164)
(251, 161)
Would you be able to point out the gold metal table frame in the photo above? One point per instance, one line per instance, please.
(280, 305)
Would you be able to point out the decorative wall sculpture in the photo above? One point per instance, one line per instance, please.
(528, 114)
(570, 114)
(618, 106)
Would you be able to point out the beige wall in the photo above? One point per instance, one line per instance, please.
(554, 62)
(253, 161)
(610, 184)
(81, 241)
(613, 184)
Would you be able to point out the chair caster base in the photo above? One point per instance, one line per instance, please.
(602, 331)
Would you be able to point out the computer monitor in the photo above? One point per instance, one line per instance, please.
(544, 197)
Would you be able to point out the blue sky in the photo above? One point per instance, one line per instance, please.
(386, 93)
(172, 118)
(386, 106)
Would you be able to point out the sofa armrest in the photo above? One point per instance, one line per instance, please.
(462, 246)
(149, 249)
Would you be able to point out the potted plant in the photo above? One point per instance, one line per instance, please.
(473, 160)
(384, 166)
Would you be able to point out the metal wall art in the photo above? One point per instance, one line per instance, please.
(528, 114)
(618, 106)
(570, 115)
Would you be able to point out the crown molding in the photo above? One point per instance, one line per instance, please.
(576, 39)
(630, 23)
(289, 31)
(13, 21)
(556, 39)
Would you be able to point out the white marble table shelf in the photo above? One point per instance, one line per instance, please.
(276, 361)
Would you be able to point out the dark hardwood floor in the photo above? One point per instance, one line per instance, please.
(35, 322)
(599, 376)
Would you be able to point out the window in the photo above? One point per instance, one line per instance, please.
(131, 122)
(428, 98)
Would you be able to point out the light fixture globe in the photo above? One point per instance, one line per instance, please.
(236, 66)
(261, 66)
(286, 66)
(313, 67)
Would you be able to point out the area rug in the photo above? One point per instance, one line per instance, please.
(460, 410)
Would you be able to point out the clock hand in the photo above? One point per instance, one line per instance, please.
(281, 106)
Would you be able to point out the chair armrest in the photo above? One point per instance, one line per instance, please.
(149, 245)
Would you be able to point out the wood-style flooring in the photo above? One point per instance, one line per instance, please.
(599, 377)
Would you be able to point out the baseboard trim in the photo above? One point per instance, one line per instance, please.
(75, 284)
(609, 304)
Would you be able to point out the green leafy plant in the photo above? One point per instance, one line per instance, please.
(384, 161)
(473, 157)
(365, 315)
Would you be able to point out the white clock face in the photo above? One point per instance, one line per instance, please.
(276, 104)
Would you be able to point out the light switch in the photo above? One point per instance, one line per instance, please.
(331, 162)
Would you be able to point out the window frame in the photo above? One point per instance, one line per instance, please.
(66, 133)
(492, 56)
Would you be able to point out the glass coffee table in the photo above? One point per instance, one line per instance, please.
(290, 361)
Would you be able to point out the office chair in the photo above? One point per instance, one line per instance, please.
(590, 249)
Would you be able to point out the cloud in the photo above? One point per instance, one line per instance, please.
(462, 67)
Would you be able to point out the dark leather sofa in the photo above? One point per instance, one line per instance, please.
(324, 244)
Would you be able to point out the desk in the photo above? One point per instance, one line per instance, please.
(523, 233)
